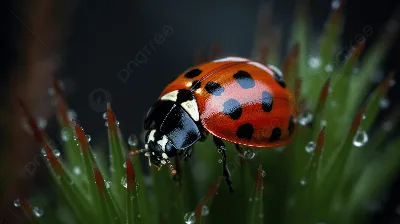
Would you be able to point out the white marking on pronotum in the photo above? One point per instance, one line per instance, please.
(151, 135)
(164, 156)
(231, 59)
(171, 96)
(276, 69)
(163, 142)
(191, 107)
(263, 67)
(146, 146)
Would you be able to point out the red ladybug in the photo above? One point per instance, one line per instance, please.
(234, 99)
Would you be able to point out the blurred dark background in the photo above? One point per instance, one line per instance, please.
(125, 52)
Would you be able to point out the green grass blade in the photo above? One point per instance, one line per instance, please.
(256, 212)
(132, 213)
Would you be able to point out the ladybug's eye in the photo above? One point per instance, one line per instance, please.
(157, 114)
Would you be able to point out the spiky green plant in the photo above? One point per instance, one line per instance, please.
(336, 164)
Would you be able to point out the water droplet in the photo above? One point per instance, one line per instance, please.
(323, 123)
(310, 147)
(117, 123)
(41, 122)
(123, 182)
(392, 82)
(105, 116)
(204, 210)
(384, 103)
(387, 126)
(38, 211)
(124, 165)
(88, 138)
(305, 118)
(335, 4)
(25, 126)
(249, 154)
(190, 218)
(132, 140)
(328, 68)
(17, 203)
(250, 199)
(50, 91)
(56, 152)
(71, 115)
(356, 70)
(220, 161)
(64, 134)
(106, 124)
(108, 184)
(77, 170)
(363, 116)
(263, 173)
(303, 181)
(360, 139)
(314, 62)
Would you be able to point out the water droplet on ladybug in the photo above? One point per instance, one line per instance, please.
(190, 218)
(310, 147)
(360, 138)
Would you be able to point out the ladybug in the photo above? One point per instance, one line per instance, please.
(233, 99)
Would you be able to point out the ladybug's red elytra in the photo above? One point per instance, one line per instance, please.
(233, 99)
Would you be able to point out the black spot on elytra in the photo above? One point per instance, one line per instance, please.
(267, 101)
(195, 85)
(184, 95)
(279, 80)
(244, 79)
(193, 73)
(245, 131)
(275, 135)
(291, 126)
(233, 108)
(214, 88)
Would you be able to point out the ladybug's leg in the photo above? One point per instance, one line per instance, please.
(222, 149)
(188, 153)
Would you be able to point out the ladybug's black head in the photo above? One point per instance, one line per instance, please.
(170, 127)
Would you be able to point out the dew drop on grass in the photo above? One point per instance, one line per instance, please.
(250, 199)
(88, 138)
(335, 4)
(124, 165)
(303, 181)
(38, 211)
(190, 218)
(64, 134)
(360, 138)
(17, 203)
(323, 123)
(263, 173)
(305, 118)
(249, 154)
(77, 170)
(363, 116)
(328, 68)
(220, 161)
(310, 147)
(71, 115)
(41, 122)
(384, 103)
(132, 140)
(105, 115)
(205, 210)
(108, 184)
(123, 182)
(314, 62)
(56, 152)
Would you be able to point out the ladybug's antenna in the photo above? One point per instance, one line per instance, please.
(137, 152)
